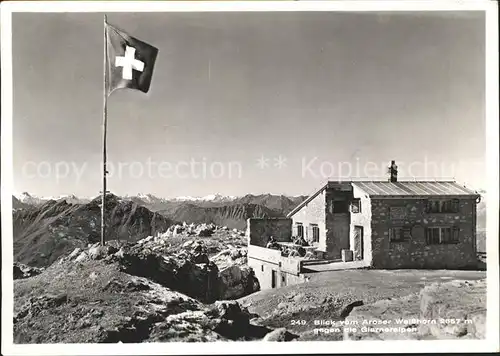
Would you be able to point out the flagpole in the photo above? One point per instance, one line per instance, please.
(104, 133)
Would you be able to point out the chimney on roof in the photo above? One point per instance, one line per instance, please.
(393, 172)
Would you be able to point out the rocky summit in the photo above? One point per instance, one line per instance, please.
(136, 292)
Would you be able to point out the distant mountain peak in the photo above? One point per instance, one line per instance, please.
(148, 197)
(27, 198)
(211, 197)
(34, 200)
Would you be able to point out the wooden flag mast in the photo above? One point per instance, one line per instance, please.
(104, 129)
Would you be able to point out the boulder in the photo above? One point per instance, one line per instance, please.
(234, 321)
(230, 257)
(224, 320)
(178, 229)
(280, 334)
(82, 257)
(231, 310)
(380, 319)
(197, 248)
(237, 281)
(235, 254)
(180, 273)
(167, 234)
(189, 326)
(204, 230)
(111, 250)
(477, 329)
(299, 297)
(459, 308)
(450, 310)
(22, 271)
(97, 252)
(198, 258)
(222, 254)
(75, 253)
(93, 252)
(348, 308)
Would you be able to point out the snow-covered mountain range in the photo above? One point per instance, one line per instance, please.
(150, 198)
(30, 199)
(212, 197)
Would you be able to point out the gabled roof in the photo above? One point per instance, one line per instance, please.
(305, 202)
(399, 189)
(413, 188)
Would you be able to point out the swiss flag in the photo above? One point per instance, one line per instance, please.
(129, 61)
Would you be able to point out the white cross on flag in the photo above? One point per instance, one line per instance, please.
(129, 61)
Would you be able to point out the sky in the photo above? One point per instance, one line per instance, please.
(250, 102)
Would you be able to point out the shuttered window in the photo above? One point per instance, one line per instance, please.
(442, 206)
(399, 233)
(314, 232)
(299, 230)
(442, 235)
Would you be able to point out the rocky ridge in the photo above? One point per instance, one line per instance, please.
(93, 302)
(137, 292)
(43, 234)
(183, 265)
